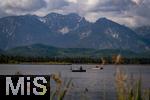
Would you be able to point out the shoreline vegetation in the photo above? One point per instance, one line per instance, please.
(4, 59)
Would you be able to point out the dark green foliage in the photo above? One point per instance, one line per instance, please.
(39, 50)
(42, 53)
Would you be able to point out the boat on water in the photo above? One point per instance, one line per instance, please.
(78, 70)
(101, 66)
(98, 68)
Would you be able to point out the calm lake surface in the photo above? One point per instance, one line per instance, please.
(99, 84)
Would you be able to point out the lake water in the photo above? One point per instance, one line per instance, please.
(99, 84)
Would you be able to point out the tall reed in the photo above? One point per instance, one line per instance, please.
(128, 89)
(61, 89)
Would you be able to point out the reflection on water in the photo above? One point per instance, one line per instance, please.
(97, 82)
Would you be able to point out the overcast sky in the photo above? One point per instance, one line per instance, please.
(128, 12)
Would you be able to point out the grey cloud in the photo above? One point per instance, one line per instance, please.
(56, 4)
(114, 6)
(3, 14)
(142, 9)
(134, 12)
(12, 7)
(141, 12)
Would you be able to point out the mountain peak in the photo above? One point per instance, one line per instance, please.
(53, 14)
(107, 22)
(73, 15)
(104, 20)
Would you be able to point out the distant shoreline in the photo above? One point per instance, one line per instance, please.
(64, 64)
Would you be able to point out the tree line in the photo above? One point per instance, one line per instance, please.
(6, 59)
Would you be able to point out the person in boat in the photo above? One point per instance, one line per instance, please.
(81, 68)
(71, 68)
(97, 66)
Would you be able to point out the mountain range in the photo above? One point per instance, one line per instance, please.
(71, 31)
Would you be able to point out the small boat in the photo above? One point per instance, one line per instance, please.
(101, 66)
(78, 70)
(98, 68)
